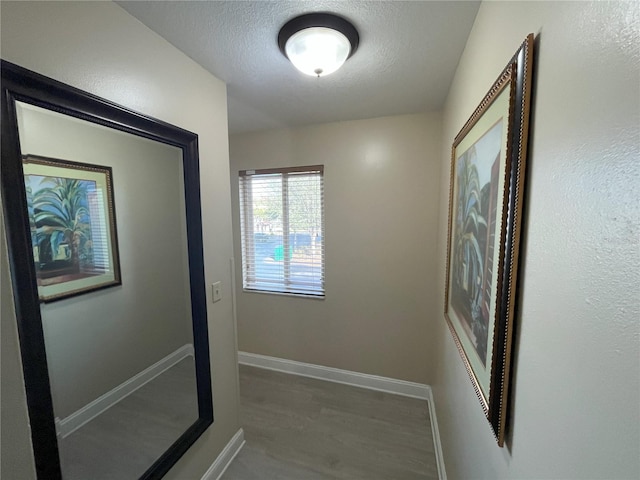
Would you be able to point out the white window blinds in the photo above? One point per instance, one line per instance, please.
(282, 227)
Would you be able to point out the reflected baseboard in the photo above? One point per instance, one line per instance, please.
(219, 466)
(68, 425)
(356, 379)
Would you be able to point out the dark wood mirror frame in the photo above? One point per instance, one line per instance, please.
(19, 84)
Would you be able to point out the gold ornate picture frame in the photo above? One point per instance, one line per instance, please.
(485, 216)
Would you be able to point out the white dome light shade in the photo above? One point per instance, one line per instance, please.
(318, 43)
(318, 51)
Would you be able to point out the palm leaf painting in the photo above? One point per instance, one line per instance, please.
(72, 224)
(486, 195)
(473, 240)
(60, 223)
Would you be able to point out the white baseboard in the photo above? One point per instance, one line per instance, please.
(435, 432)
(68, 425)
(225, 458)
(372, 382)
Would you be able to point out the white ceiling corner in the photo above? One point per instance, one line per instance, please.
(406, 60)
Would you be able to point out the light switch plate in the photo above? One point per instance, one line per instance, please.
(217, 291)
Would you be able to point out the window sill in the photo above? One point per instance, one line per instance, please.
(284, 294)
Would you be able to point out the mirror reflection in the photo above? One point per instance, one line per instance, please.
(108, 225)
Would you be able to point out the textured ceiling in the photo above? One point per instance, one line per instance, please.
(405, 62)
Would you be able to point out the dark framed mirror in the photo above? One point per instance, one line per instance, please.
(104, 230)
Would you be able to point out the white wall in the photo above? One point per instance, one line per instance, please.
(576, 382)
(98, 47)
(381, 192)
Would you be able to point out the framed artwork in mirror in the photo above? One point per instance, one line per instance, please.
(485, 218)
(73, 226)
(70, 160)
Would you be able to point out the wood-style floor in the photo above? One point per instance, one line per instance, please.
(122, 442)
(299, 428)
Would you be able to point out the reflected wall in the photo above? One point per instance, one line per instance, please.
(95, 341)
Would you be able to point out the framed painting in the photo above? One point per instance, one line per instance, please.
(485, 209)
(73, 226)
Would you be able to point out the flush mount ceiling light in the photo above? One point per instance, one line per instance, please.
(318, 43)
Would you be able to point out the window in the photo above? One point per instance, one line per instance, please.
(282, 223)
